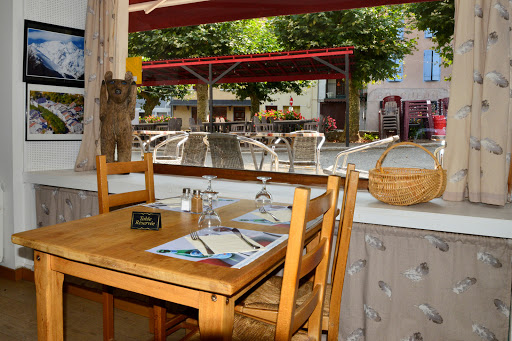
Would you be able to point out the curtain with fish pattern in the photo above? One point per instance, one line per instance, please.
(479, 122)
(414, 285)
(56, 205)
(99, 58)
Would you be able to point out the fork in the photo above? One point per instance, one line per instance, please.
(195, 236)
(263, 210)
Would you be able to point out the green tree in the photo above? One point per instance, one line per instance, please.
(152, 95)
(258, 37)
(375, 33)
(184, 42)
(439, 18)
(237, 37)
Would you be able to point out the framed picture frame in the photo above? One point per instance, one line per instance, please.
(53, 55)
(54, 113)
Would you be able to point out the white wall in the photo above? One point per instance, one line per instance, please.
(6, 128)
(16, 154)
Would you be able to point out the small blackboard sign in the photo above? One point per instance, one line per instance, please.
(146, 221)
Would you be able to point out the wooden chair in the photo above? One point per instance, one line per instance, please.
(108, 201)
(263, 303)
(298, 265)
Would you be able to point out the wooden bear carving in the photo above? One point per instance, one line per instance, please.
(117, 110)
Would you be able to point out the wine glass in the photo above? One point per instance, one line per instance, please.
(263, 197)
(209, 219)
(209, 188)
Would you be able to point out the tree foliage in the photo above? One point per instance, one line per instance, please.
(376, 34)
(439, 18)
(236, 37)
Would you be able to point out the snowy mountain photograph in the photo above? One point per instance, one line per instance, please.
(53, 55)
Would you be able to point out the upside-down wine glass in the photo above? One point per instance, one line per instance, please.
(209, 219)
(263, 197)
(209, 188)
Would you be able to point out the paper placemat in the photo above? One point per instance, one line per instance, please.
(183, 249)
(223, 244)
(283, 213)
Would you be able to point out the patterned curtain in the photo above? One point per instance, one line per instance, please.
(99, 58)
(479, 127)
(412, 285)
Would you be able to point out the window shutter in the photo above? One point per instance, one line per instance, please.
(400, 72)
(427, 65)
(436, 66)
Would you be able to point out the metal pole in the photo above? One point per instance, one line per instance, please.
(210, 95)
(347, 101)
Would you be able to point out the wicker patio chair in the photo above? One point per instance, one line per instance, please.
(225, 151)
(194, 150)
(305, 150)
(172, 149)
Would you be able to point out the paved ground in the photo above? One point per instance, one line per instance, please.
(364, 160)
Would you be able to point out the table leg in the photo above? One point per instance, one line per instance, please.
(216, 317)
(48, 299)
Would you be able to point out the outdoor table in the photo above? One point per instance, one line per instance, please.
(106, 250)
(149, 136)
(223, 127)
(287, 126)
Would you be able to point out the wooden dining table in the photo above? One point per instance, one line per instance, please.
(106, 250)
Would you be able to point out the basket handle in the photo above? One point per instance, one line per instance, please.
(383, 156)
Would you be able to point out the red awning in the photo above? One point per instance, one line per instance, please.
(265, 67)
(211, 11)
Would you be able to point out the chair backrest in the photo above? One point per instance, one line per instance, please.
(341, 249)
(316, 260)
(106, 200)
(312, 126)
(194, 150)
(225, 151)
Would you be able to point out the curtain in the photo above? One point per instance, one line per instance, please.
(479, 122)
(56, 205)
(100, 38)
(411, 285)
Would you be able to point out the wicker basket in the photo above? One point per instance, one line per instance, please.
(406, 186)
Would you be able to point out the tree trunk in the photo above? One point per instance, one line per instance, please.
(353, 112)
(150, 102)
(202, 100)
(255, 104)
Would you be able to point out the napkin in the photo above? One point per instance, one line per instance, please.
(223, 243)
(171, 201)
(284, 215)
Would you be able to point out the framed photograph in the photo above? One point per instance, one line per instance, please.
(54, 113)
(53, 55)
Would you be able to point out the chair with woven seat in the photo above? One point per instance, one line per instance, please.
(194, 150)
(298, 265)
(305, 150)
(195, 127)
(108, 201)
(225, 151)
(263, 303)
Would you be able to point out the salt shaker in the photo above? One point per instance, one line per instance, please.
(197, 202)
(186, 200)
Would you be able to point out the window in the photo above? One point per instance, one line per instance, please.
(399, 75)
(431, 66)
(428, 33)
